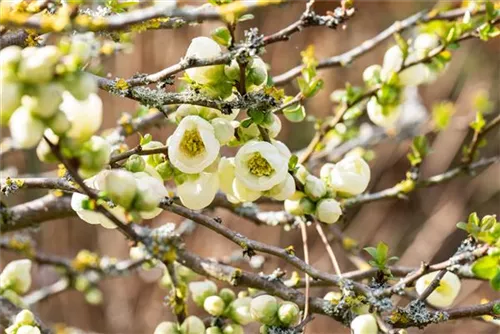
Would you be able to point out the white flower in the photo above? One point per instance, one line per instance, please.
(415, 75)
(25, 317)
(93, 217)
(224, 130)
(25, 130)
(283, 190)
(364, 324)
(204, 48)
(166, 327)
(444, 295)
(198, 193)
(426, 42)
(326, 171)
(121, 187)
(314, 187)
(16, 276)
(385, 117)
(393, 60)
(26, 329)
(37, 64)
(150, 192)
(85, 116)
(351, 175)
(328, 211)
(10, 99)
(261, 165)
(193, 145)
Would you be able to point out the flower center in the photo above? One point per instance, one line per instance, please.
(443, 288)
(259, 166)
(191, 143)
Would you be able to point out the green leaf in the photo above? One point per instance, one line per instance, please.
(485, 267)
(372, 251)
(295, 113)
(146, 139)
(246, 17)
(402, 43)
(293, 162)
(222, 35)
(257, 116)
(495, 284)
(419, 150)
(382, 251)
(246, 122)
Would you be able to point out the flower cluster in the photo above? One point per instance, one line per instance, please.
(132, 196)
(24, 323)
(45, 93)
(348, 177)
(403, 66)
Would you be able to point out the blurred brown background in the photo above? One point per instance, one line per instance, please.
(422, 228)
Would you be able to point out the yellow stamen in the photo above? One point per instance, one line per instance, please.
(259, 166)
(191, 143)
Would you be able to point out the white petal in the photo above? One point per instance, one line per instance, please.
(25, 129)
(85, 116)
(243, 193)
(198, 194)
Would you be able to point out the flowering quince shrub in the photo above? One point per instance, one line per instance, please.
(227, 101)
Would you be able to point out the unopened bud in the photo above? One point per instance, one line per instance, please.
(193, 325)
(264, 309)
(121, 187)
(201, 290)
(135, 163)
(314, 187)
(227, 295)
(214, 305)
(167, 327)
(233, 329)
(328, 211)
(289, 313)
(25, 317)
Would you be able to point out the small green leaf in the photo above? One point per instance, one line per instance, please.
(246, 17)
(479, 122)
(485, 267)
(222, 35)
(496, 308)
(146, 139)
(246, 122)
(293, 162)
(402, 43)
(372, 251)
(419, 150)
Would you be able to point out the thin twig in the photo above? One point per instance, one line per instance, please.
(329, 249)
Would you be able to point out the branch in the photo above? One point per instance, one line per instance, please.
(368, 45)
(123, 21)
(397, 191)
